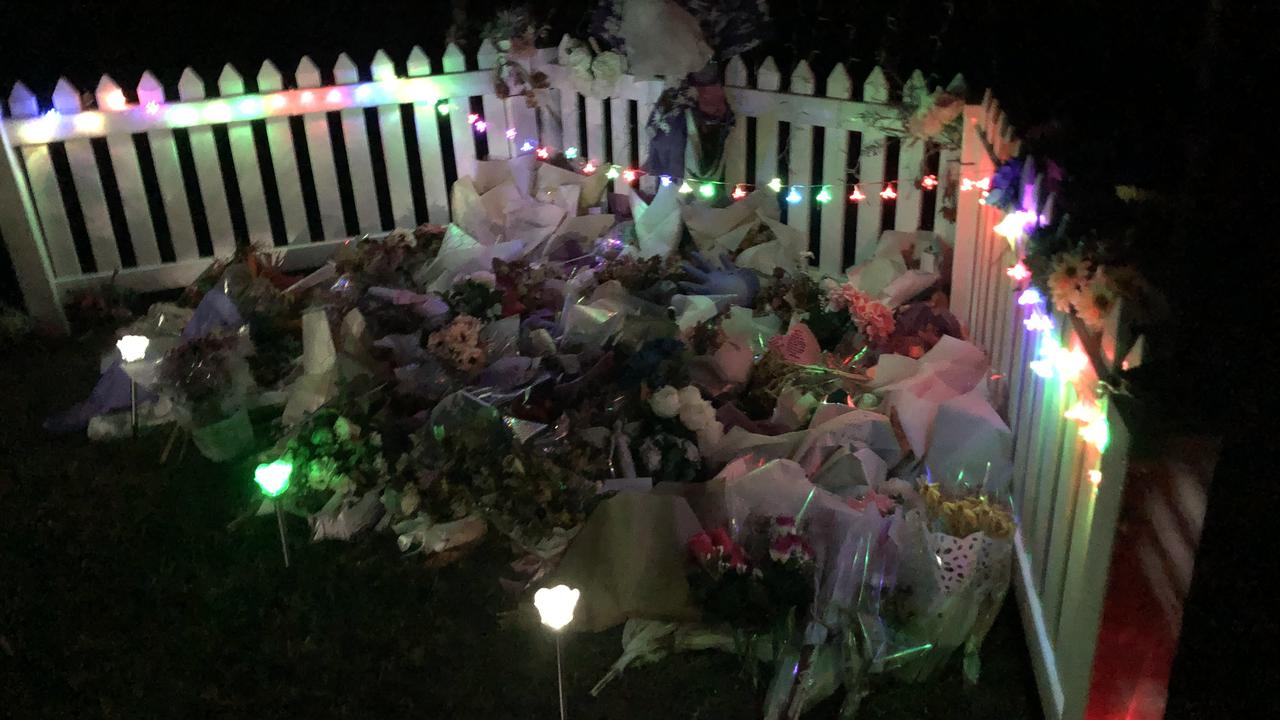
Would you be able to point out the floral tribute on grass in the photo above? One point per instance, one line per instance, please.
(660, 406)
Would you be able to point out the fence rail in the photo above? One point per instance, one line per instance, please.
(1068, 486)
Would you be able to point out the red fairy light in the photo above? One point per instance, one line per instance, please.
(739, 192)
(857, 195)
(543, 153)
(1018, 272)
(888, 193)
(473, 118)
(629, 175)
(929, 182)
(589, 168)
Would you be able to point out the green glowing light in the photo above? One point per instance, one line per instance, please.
(443, 107)
(612, 174)
(707, 190)
(775, 185)
(273, 477)
(823, 196)
(571, 152)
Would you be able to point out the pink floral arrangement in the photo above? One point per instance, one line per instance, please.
(785, 543)
(871, 316)
(717, 552)
(458, 343)
(882, 503)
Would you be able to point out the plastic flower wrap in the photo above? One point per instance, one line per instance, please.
(206, 376)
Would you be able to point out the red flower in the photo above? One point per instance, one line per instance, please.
(701, 546)
(720, 538)
(737, 558)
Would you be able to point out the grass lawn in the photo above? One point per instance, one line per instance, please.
(124, 595)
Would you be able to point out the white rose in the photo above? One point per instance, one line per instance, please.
(666, 402)
(689, 395)
(697, 417)
(710, 435)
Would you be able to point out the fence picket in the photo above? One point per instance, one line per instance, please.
(835, 164)
(620, 128)
(872, 159)
(464, 146)
(173, 191)
(644, 108)
(45, 192)
(800, 152)
(910, 200)
(394, 155)
(767, 78)
(88, 184)
(133, 194)
(204, 154)
(244, 157)
(355, 136)
(495, 111)
(32, 266)
(948, 177)
(320, 153)
(735, 146)
(596, 148)
(284, 162)
(428, 129)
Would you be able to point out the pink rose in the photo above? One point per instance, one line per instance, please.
(701, 546)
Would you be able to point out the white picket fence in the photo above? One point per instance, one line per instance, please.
(131, 188)
(1066, 495)
(147, 189)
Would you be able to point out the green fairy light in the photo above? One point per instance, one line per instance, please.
(612, 173)
(273, 477)
(824, 195)
(443, 107)
(571, 152)
(708, 190)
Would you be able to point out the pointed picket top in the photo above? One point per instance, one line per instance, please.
(915, 88)
(957, 86)
(345, 71)
(487, 54)
(839, 84)
(230, 81)
(382, 67)
(986, 100)
(22, 102)
(190, 86)
(876, 87)
(735, 73)
(802, 82)
(419, 63)
(454, 60)
(149, 89)
(308, 73)
(269, 77)
(767, 76)
(107, 93)
(66, 98)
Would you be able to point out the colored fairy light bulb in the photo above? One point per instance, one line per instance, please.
(589, 168)
(1095, 477)
(277, 102)
(823, 196)
(775, 185)
(115, 100)
(333, 96)
(543, 153)
(183, 116)
(443, 107)
(528, 146)
(511, 133)
(1030, 296)
(473, 118)
(364, 92)
(555, 605)
(217, 112)
(929, 182)
(1038, 322)
(665, 180)
(739, 192)
(857, 195)
(612, 173)
(1015, 225)
(249, 106)
(132, 347)
(888, 193)
(307, 98)
(152, 108)
(273, 477)
(89, 121)
(571, 152)
(708, 190)
(629, 175)
(684, 188)
(1018, 272)
(1097, 433)
(794, 196)
(481, 126)
(984, 183)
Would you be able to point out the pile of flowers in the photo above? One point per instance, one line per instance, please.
(458, 344)
(871, 316)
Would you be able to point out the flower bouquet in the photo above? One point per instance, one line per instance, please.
(208, 379)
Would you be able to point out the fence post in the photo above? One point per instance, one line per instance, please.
(963, 269)
(21, 229)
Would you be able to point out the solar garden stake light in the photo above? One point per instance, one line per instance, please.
(273, 480)
(132, 349)
(555, 607)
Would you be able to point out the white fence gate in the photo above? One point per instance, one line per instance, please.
(149, 189)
